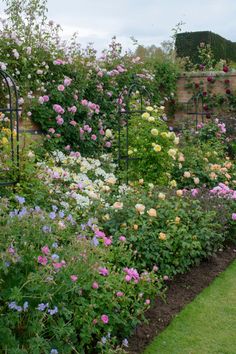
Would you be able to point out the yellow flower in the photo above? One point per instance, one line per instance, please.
(4, 141)
(154, 132)
(162, 196)
(149, 109)
(118, 205)
(187, 174)
(164, 135)
(172, 153)
(135, 226)
(151, 119)
(196, 180)
(177, 220)
(162, 236)
(145, 115)
(179, 192)
(173, 183)
(140, 208)
(157, 148)
(152, 212)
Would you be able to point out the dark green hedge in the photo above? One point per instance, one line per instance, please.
(187, 45)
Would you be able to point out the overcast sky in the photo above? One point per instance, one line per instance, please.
(148, 21)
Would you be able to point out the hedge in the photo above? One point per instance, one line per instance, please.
(187, 45)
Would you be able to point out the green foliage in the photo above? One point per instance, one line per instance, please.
(188, 42)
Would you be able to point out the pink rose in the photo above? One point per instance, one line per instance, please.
(61, 88)
(147, 302)
(94, 137)
(234, 216)
(67, 147)
(103, 271)
(74, 278)
(67, 81)
(51, 130)
(105, 319)
(73, 122)
(41, 100)
(46, 98)
(107, 241)
(59, 120)
(58, 109)
(84, 102)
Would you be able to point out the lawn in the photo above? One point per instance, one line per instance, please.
(207, 325)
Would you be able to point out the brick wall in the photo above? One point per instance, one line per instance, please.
(184, 94)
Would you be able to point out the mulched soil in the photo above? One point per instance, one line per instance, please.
(181, 291)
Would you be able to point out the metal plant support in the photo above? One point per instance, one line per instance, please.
(195, 108)
(124, 116)
(9, 122)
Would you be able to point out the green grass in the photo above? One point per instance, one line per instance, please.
(207, 325)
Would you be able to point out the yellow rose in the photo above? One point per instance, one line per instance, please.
(164, 135)
(149, 109)
(172, 153)
(173, 183)
(4, 141)
(118, 205)
(179, 192)
(187, 174)
(162, 196)
(145, 115)
(140, 208)
(162, 236)
(135, 226)
(157, 148)
(177, 220)
(154, 132)
(152, 212)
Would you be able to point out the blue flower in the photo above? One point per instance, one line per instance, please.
(52, 215)
(53, 311)
(125, 342)
(54, 208)
(61, 214)
(55, 257)
(54, 351)
(55, 245)
(20, 200)
(42, 307)
(25, 306)
(46, 229)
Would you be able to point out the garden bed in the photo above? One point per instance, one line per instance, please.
(182, 290)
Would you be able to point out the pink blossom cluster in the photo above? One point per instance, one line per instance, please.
(106, 240)
(131, 273)
(223, 191)
(58, 109)
(95, 108)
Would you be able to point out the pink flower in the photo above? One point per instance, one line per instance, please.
(67, 81)
(46, 98)
(51, 130)
(41, 100)
(147, 302)
(105, 319)
(99, 233)
(58, 109)
(73, 122)
(119, 294)
(128, 278)
(234, 216)
(107, 241)
(103, 271)
(61, 88)
(194, 192)
(95, 321)
(165, 277)
(84, 102)
(57, 265)
(58, 62)
(108, 144)
(101, 131)
(122, 238)
(59, 120)
(94, 137)
(67, 147)
(72, 109)
(95, 285)
(86, 127)
(42, 260)
(74, 278)
(45, 250)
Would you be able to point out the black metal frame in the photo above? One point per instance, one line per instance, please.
(197, 101)
(12, 109)
(124, 117)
